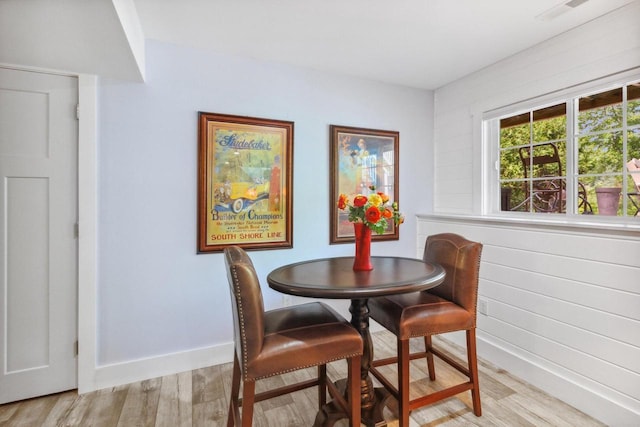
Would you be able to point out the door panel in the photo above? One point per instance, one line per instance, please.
(27, 306)
(38, 248)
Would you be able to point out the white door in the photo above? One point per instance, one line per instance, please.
(38, 247)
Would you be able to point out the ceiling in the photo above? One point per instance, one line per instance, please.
(418, 43)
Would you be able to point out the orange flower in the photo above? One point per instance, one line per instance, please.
(360, 200)
(385, 198)
(373, 214)
(388, 213)
(342, 201)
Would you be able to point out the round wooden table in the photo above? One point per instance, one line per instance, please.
(335, 278)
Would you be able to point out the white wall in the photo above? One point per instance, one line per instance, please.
(564, 303)
(162, 308)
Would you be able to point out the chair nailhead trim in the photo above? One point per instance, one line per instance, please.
(419, 335)
(303, 367)
(236, 286)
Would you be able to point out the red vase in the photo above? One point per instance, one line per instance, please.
(362, 260)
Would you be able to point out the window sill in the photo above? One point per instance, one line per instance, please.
(578, 223)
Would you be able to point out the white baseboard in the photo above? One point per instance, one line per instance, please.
(153, 367)
(594, 399)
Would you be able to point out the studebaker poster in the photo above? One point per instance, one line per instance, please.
(245, 181)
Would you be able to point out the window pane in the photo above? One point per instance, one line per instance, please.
(550, 123)
(633, 187)
(510, 164)
(544, 187)
(600, 153)
(604, 194)
(633, 107)
(633, 144)
(584, 203)
(512, 197)
(545, 196)
(600, 111)
(549, 195)
(514, 136)
(548, 159)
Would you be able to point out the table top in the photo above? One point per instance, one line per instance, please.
(335, 277)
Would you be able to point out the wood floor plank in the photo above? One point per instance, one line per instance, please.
(528, 411)
(210, 398)
(290, 416)
(141, 404)
(207, 385)
(106, 407)
(271, 383)
(500, 414)
(7, 411)
(175, 405)
(78, 409)
(44, 413)
(448, 418)
(57, 414)
(211, 413)
(34, 411)
(551, 410)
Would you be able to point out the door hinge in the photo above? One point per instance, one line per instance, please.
(76, 230)
(77, 111)
(75, 348)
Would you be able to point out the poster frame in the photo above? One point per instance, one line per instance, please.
(244, 212)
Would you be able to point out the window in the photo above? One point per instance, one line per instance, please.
(575, 156)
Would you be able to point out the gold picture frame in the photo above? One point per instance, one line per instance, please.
(245, 182)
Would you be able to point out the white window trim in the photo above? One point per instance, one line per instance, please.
(486, 155)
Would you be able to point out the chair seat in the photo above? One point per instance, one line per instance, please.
(418, 314)
(302, 336)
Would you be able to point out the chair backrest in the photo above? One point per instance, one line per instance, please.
(633, 166)
(247, 304)
(460, 258)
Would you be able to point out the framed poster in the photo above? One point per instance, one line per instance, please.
(362, 159)
(245, 170)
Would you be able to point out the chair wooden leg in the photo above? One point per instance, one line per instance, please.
(403, 382)
(354, 390)
(322, 385)
(235, 391)
(428, 345)
(248, 399)
(473, 371)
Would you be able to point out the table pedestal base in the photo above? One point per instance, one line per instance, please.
(372, 416)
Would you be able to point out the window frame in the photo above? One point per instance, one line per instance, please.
(491, 149)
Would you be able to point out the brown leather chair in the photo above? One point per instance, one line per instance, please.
(450, 306)
(284, 340)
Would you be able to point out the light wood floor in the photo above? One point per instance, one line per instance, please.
(200, 398)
